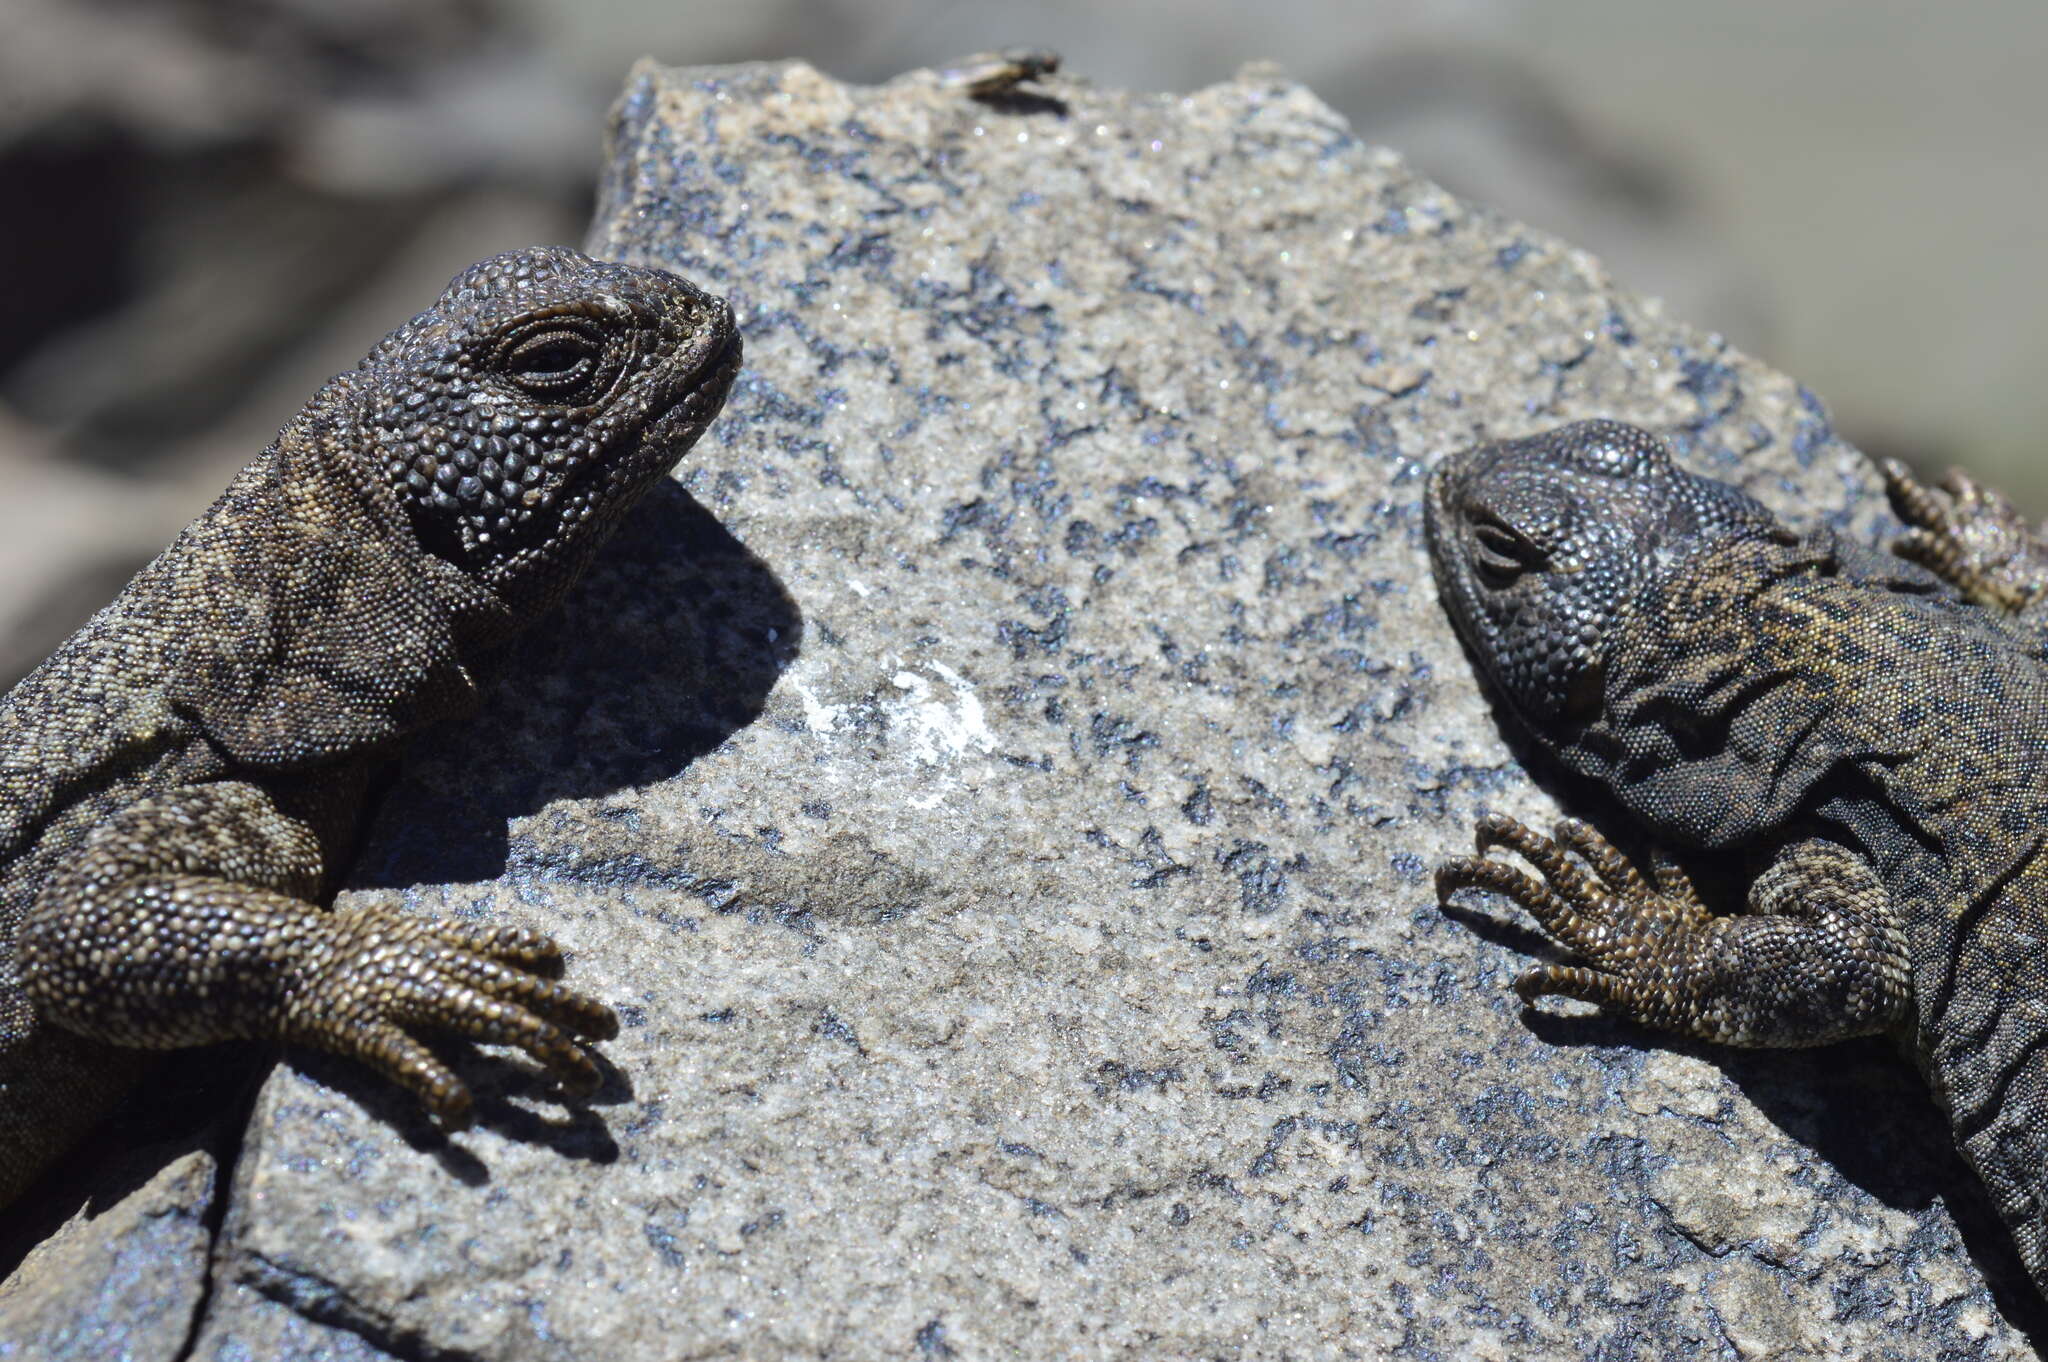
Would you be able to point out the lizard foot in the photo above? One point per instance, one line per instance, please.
(1818, 957)
(1624, 926)
(1969, 536)
(378, 974)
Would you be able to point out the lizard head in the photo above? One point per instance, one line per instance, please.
(518, 417)
(1542, 546)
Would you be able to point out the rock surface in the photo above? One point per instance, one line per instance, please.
(999, 786)
(123, 1283)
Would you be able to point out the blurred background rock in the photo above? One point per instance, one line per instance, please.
(212, 205)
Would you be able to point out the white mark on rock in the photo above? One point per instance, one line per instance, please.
(935, 729)
(819, 717)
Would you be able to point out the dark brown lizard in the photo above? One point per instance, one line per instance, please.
(180, 781)
(1875, 729)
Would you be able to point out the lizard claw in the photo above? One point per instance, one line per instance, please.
(1605, 913)
(1969, 536)
(1583, 909)
(379, 975)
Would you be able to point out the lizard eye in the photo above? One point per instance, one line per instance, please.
(558, 359)
(1502, 552)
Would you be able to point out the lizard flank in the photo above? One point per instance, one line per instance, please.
(1873, 729)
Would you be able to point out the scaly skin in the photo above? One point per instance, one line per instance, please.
(179, 781)
(1876, 729)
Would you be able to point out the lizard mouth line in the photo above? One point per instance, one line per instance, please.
(700, 394)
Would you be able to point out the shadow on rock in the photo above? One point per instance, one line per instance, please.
(195, 1100)
(513, 1099)
(668, 647)
(1858, 1104)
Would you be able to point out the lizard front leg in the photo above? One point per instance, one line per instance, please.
(1818, 957)
(188, 918)
(1972, 538)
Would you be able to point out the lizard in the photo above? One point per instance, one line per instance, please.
(1870, 727)
(181, 780)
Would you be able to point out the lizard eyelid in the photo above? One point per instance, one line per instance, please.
(1503, 553)
(558, 359)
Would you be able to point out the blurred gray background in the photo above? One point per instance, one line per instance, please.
(213, 205)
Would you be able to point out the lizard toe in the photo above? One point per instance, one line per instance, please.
(507, 944)
(386, 975)
(390, 1052)
(571, 1009)
(1970, 536)
(479, 1015)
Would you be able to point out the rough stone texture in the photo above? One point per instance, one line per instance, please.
(246, 1326)
(999, 788)
(121, 1284)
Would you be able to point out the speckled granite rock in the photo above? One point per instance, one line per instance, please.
(123, 1283)
(999, 786)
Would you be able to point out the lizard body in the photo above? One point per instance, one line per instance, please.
(180, 781)
(1874, 728)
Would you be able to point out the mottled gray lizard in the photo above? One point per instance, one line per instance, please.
(180, 781)
(1877, 729)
